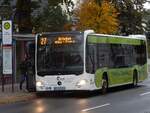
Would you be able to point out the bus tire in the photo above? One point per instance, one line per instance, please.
(104, 84)
(135, 79)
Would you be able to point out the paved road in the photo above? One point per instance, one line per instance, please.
(119, 100)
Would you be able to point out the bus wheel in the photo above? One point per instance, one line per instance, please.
(104, 85)
(135, 79)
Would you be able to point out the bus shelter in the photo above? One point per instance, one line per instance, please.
(23, 45)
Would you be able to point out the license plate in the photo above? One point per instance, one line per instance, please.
(59, 88)
(48, 88)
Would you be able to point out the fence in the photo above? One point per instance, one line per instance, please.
(8, 85)
(6, 80)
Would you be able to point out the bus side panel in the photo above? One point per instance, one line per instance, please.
(120, 76)
(143, 72)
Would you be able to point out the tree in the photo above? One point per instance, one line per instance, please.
(5, 9)
(25, 13)
(130, 15)
(23, 16)
(100, 17)
(53, 18)
(69, 6)
(146, 18)
(6, 2)
(148, 29)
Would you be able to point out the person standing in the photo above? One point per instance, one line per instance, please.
(24, 75)
(30, 74)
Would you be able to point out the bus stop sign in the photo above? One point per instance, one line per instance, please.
(7, 32)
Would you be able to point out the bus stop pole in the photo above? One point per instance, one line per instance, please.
(12, 83)
(2, 82)
(12, 67)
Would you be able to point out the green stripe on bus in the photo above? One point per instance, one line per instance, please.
(99, 39)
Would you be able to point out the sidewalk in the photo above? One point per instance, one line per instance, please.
(8, 96)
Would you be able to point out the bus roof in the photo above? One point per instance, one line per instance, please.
(67, 32)
(140, 37)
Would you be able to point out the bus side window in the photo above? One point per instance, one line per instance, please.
(140, 53)
(90, 58)
(128, 55)
(117, 55)
(103, 55)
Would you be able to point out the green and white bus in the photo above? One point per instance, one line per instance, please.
(74, 61)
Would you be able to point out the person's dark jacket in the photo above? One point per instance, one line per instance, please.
(23, 67)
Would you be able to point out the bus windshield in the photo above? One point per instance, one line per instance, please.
(60, 54)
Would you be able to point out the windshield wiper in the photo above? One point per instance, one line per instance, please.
(42, 74)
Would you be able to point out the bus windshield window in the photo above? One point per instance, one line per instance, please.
(60, 54)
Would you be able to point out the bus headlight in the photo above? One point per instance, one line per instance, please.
(39, 83)
(81, 83)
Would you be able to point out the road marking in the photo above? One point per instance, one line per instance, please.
(147, 93)
(88, 109)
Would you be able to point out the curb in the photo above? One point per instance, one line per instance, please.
(17, 98)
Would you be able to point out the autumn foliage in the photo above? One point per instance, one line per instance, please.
(101, 18)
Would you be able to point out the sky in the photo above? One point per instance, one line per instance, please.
(147, 5)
